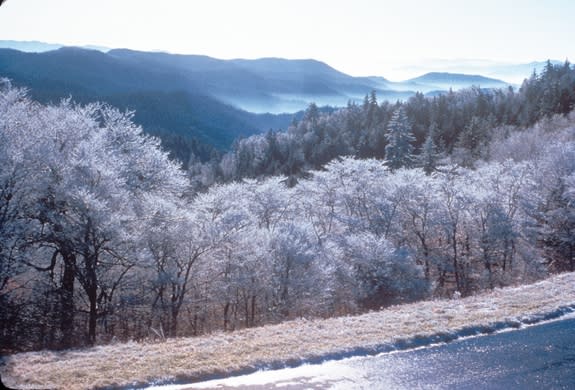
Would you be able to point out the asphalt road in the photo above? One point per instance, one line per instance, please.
(537, 357)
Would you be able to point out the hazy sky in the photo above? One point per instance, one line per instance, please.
(359, 37)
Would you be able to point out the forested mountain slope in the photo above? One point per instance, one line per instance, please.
(103, 237)
(195, 103)
(166, 103)
(460, 125)
(263, 85)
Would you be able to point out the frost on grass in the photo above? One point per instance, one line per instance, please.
(291, 343)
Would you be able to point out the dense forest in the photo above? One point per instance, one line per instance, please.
(103, 237)
(458, 124)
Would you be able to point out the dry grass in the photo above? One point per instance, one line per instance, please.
(196, 358)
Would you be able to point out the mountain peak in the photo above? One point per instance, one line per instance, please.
(283, 65)
(455, 79)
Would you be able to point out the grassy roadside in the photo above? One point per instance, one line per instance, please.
(290, 342)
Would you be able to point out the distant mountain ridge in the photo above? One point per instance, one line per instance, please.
(275, 85)
(456, 78)
(30, 46)
(164, 101)
(213, 100)
(436, 82)
(279, 85)
(264, 85)
(510, 72)
(40, 47)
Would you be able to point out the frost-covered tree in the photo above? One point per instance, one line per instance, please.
(215, 221)
(116, 176)
(293, 256)
(244, 287)
(418, 219)
(472, 142)
(429, 157)
(96, 178)
(496, 215)
(399, 148)
(553, 205)
(381, 274)
(14, 108)
(453, 204)
(17, 178)
(100, 235)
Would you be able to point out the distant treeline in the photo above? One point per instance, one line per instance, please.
(460, 123)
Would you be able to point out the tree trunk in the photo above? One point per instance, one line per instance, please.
(455, 259)
(175, 310)
(253, 310)
(93, 314)
(226, 315)
(571, 258)
(67, 300)
(91, 288)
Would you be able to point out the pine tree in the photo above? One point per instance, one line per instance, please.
(429, 157)
(399, 148)
(370, 106)
(472, 141)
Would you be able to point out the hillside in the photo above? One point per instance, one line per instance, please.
(263, 85)
(164, 101)
(313, 233)
(194, 102)
(292, 343)
(279, 85)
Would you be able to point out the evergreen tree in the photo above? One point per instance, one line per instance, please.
(399, 148)
(312, 114)
(370, 108)
(472, 141)
(429, 157)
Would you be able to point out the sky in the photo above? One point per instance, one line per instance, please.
(358, 37)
